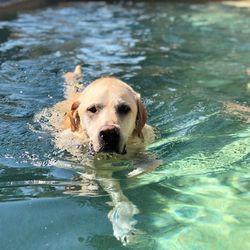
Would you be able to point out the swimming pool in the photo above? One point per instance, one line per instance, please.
(186, 60)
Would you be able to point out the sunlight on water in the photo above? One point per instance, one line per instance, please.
(189, 62)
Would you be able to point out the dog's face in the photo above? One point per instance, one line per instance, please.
(108, 112)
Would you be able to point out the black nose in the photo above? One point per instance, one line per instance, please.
(109, 138)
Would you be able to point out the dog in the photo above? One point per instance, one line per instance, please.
(106, 118)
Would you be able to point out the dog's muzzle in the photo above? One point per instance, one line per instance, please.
(110, 138)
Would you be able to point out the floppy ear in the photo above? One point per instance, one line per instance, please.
(74, 117)
(141, 117)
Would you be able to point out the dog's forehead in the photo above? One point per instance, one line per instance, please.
(109, 89)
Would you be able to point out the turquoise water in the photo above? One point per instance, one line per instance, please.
(186, 60)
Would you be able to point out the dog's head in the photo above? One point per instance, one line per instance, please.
(109, 112)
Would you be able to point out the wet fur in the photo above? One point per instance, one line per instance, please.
(78, 124)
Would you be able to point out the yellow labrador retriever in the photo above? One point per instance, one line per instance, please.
(107, 116)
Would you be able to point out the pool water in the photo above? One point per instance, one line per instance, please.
(187, 60)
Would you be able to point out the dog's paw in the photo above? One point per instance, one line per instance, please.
(131, 237)
(121, 217)
(144, 167)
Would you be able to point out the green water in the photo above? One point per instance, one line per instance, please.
(186, 60)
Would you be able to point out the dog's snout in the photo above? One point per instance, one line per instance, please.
(109, 137)
(109, 133)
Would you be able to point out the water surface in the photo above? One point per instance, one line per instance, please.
(186, 60)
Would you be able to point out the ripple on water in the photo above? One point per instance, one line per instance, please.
(185, 60)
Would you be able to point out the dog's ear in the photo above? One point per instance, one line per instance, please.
(141, 117)
(74, 117)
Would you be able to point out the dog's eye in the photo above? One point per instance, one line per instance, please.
(92, 109)
(123, 109)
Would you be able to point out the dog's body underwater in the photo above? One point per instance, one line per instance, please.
(105, 117)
